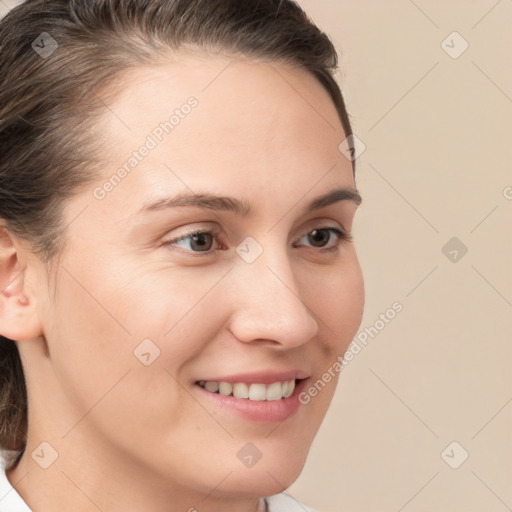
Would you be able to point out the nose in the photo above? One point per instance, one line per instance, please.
(270, 306)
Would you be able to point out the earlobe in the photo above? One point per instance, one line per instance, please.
(19, 319)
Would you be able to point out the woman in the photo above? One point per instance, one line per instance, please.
(176, 263)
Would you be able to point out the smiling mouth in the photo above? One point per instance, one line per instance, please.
(251, 391)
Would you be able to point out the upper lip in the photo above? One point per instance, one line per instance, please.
(261, 377)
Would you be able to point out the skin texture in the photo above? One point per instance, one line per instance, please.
(132, 437)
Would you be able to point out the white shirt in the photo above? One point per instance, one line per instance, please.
(11, 501)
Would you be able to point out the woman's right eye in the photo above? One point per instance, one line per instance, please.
(197, 241)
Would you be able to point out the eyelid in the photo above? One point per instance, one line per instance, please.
(195, 231)
(326, 223)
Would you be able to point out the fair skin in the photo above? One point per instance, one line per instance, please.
(132, 437)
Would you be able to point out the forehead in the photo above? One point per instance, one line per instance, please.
(254, 125)
(237, 99)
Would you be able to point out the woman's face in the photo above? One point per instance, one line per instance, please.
(148, 318)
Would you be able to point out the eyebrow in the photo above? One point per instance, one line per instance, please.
(242, 208)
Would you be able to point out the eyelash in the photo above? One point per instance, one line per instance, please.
(341, 235)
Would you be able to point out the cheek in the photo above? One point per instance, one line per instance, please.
(89, 341)
(350, 291)
(177, 309)
(153, 325)
(336, 298)
(99, 365)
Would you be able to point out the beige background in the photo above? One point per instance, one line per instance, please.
(437, 164)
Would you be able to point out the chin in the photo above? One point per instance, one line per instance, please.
(262, 484)
(271, 475)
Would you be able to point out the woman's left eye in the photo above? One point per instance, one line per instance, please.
(321, 237)
(203, 241)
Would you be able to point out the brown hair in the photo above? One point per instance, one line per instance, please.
(55, 58)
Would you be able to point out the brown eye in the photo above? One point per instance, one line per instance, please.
(321, 237)
(201, 241)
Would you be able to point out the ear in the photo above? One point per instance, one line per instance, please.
(19, 319)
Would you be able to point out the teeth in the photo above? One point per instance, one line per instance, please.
(275, 391)
(241, 390)
(255, 391)
(225, 388)
(290, 390)
(212, 386)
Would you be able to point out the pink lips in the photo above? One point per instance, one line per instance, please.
(257, 411)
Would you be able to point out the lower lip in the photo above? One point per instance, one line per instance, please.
(259, 411)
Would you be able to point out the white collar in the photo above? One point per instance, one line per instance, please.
(10, 500)
(285, 503)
